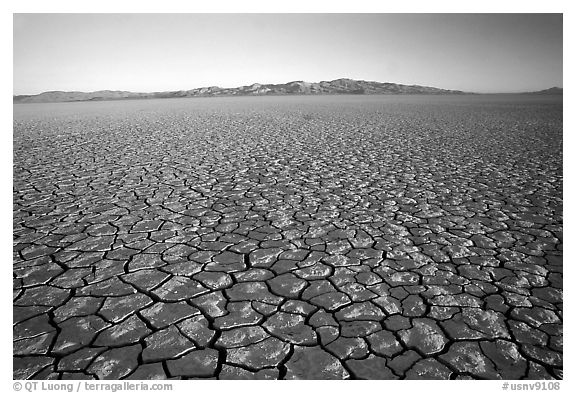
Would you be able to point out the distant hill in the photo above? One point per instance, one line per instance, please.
(338, 86)
(551, 91)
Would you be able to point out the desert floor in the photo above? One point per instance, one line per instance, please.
(336, 237)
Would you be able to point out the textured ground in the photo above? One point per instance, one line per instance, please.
(300, 237)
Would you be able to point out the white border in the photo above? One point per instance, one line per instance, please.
(304, 6)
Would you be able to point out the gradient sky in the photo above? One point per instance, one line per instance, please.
(160, 52)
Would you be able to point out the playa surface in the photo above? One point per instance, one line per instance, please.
(333, 237)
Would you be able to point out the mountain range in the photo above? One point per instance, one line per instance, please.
(338, 86)
(550, 91)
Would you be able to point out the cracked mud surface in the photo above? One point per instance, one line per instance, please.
(291, 238)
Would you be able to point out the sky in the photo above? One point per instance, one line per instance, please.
(483, 53)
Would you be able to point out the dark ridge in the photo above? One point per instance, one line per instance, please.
(550, 91)
(338, 86)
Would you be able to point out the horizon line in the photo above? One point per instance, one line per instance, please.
(281, 83)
